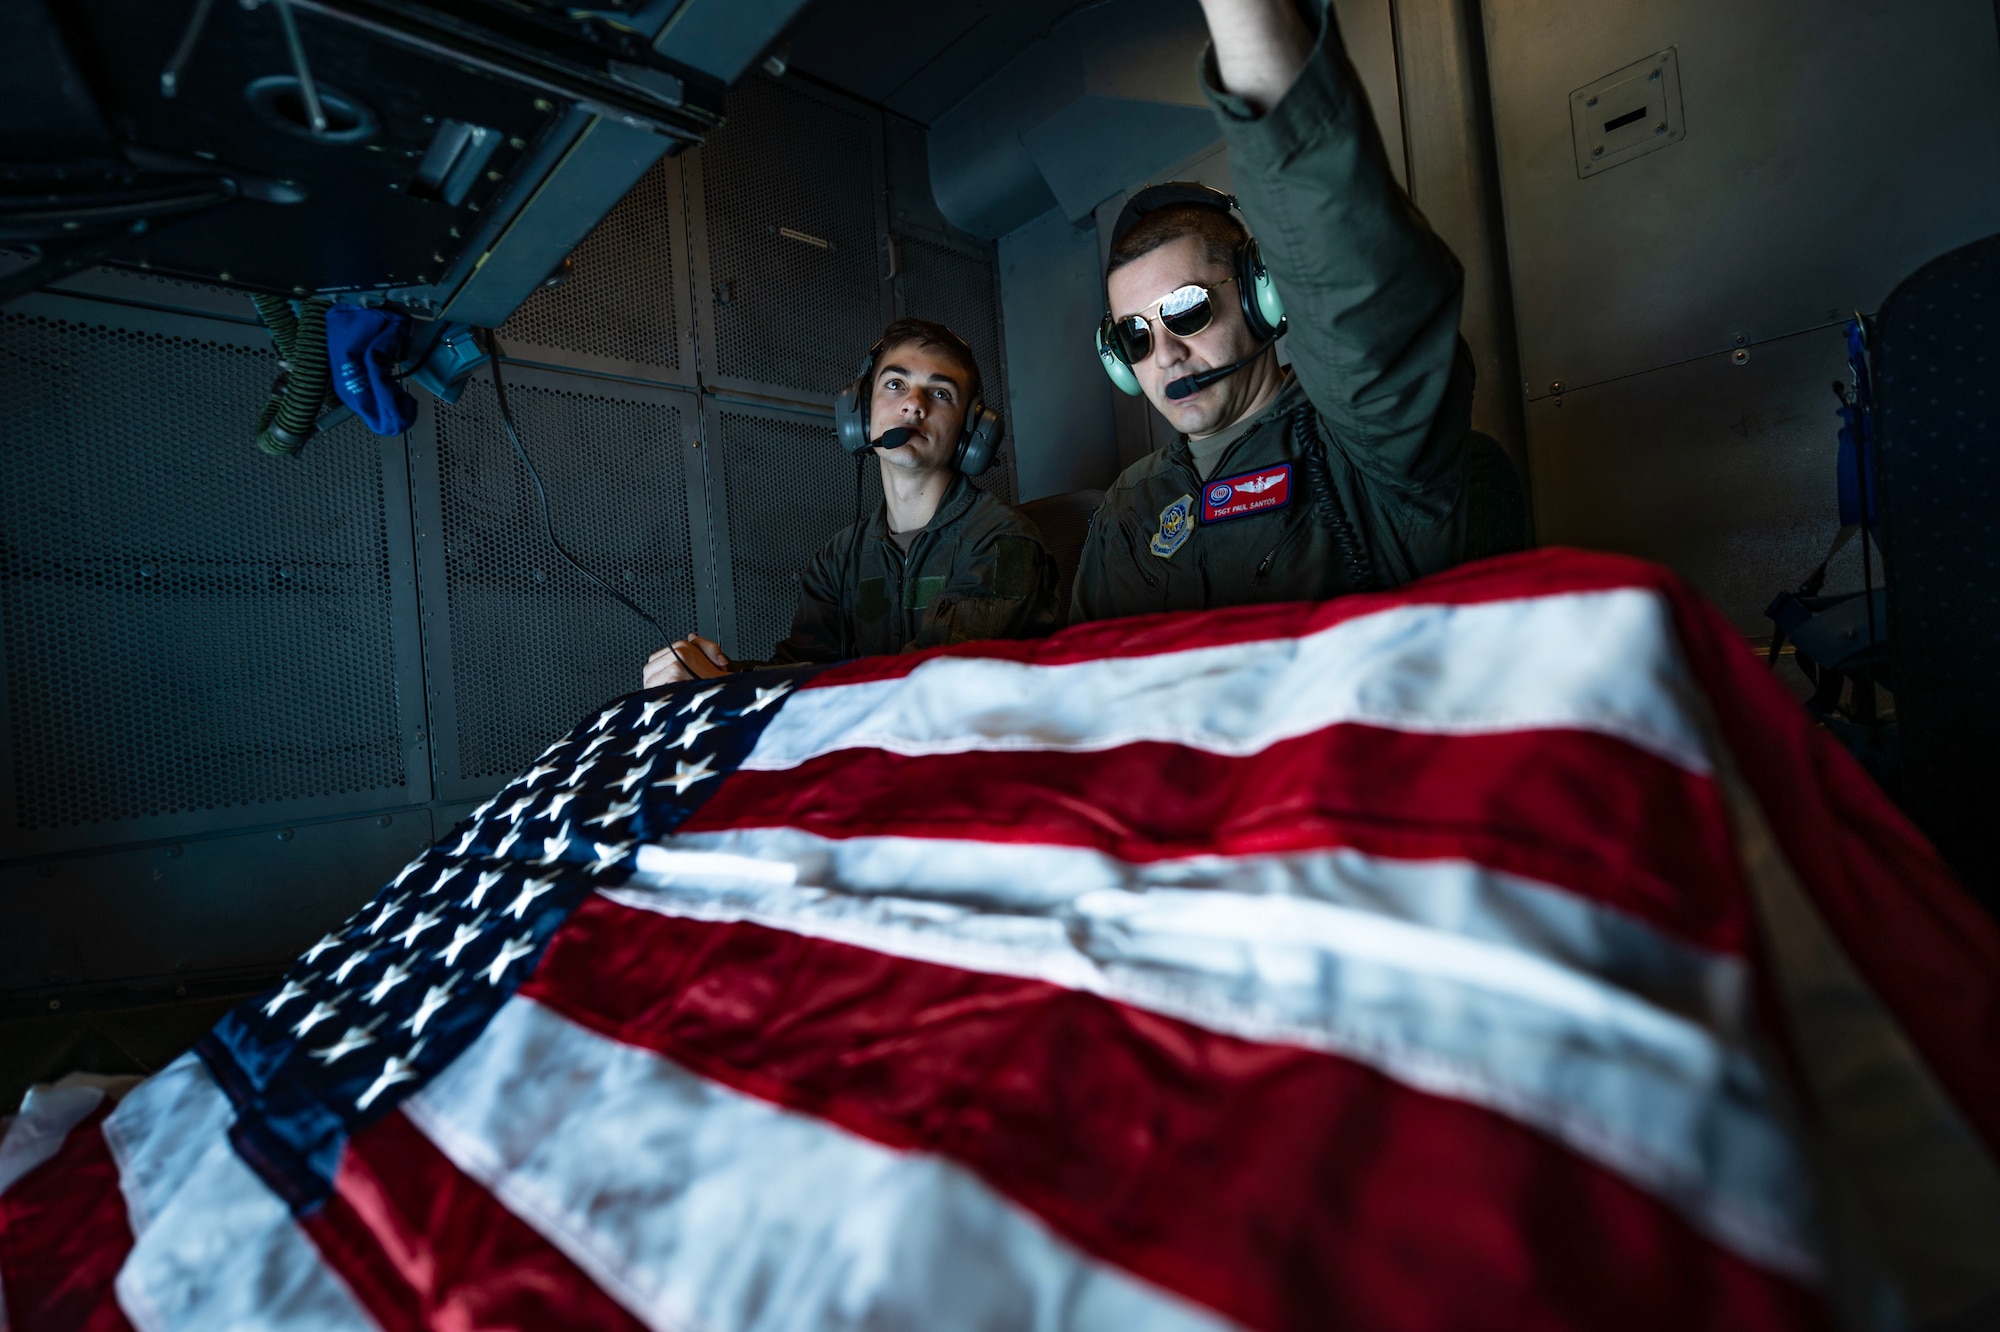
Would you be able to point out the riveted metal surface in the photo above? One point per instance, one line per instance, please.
(961, 291)
(195, 635)
(532, 645)
(786, 488)
(622, 302)
(791, 206)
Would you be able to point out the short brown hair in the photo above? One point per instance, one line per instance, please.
(924, 333)
(1219, 233)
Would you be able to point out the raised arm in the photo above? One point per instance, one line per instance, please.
(1372, 294)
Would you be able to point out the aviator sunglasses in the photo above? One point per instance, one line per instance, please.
(1183, 312)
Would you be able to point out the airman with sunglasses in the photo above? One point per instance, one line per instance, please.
(1342, 473)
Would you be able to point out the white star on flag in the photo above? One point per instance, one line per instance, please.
(394, 976)
(766, 697)
(632, 777)
(354, 1038)
(423, 921)
(699, 699)
(396, 1070)
(507, 842)
(510, 952)
(465, 842)
(487, 883)
(553, 847)
(491, 801)
(646, 713)
(289, 991)
(556, 802)
(387, 910)
(604, 717)
(320, 1012)
(461, 935)
(451, 872)
(576, 773)
(536, 773)
(597, 744)
(646, 742)
(534, 888)
(346, 969)
(408, 870)
(686, 775)
(434, 1000)
(326, 941)
(613, 814)
(515, 810)
(695, 727)
(609, 855)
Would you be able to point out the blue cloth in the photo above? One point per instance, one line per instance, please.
(1857, 434)
(364, 347)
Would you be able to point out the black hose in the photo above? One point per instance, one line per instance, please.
(291, 414)
(1327, 508)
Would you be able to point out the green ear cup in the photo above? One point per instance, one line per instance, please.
(1121, 373)
(1264, 292)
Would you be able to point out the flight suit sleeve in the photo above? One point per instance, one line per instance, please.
(821, 629)
(1089, 595)
(1372, 294)
(1009, 583)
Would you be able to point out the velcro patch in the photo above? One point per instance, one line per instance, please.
(919, 593)
(1253, 492)
(1016, 558)
(873, 603)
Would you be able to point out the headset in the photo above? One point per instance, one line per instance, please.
(1256, 294)
(978, 439)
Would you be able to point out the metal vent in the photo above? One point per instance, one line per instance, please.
(619, 298)
(534, 645)
(959, 291)
(789, 188)
(189, 625)
(788, 488)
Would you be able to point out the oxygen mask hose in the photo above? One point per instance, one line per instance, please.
(291, 414)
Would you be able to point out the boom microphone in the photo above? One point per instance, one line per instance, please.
(1189, 385)
(895, 437)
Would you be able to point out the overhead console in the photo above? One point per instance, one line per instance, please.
(439, 157)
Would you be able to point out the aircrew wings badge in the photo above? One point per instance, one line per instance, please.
(1176, 523)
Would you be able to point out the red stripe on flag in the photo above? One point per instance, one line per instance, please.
(1532, 574)
(1925, 947)
(1282, 1187)
(422, 1245)
(1581, 811)
(63, 1236)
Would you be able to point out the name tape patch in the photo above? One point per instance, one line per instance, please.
(1252, 492)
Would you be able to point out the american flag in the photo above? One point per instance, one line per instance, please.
(1505, 952)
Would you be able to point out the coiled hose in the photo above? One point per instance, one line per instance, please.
(291, 414)
(1332, 514)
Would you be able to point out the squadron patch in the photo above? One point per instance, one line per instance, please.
(1253, 492)
(1176, 525)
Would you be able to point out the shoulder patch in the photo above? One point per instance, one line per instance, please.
(1176, 525)
(1015, 562)
(1260, 491)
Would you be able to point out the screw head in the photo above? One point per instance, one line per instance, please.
(1556, 387)
(1654, 76)
(286, 834)
(1597, 152)
(1741, 339)
(1591, 102)
(1740, 356)
(383, 821)
(1660, 128)
(54, 1004)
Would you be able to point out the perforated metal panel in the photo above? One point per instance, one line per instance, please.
(787, 488)
(961, 291)
(620, 303)
(533, 645)
(189, 625)
(790, 200)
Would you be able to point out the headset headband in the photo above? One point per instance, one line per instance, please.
(1155, 197)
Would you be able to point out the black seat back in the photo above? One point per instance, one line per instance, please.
(1064, 520)
(1937, 373)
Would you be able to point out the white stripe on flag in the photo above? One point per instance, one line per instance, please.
(696, 1206)
(1604, 662)
(1678, 1107)
(213, 1247)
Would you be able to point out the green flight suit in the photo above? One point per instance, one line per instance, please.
(977, 570)
(1373, 298)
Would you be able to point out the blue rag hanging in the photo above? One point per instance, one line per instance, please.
(365, 346)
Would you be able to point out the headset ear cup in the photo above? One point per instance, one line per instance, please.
(850, 407)
(979, 442)
(1262, 306)
(1114, 365)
